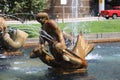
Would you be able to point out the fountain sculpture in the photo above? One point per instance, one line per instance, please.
(11, 40)
(58, 56)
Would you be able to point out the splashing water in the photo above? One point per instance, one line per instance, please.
(74, 25)
(93, 56)
(75, 16)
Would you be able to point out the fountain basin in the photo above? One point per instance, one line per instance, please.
(35, 41)
(103, 64)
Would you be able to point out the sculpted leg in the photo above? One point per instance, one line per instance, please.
(69, 59)
(44, 56)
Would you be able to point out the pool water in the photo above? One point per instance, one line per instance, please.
(103, 64)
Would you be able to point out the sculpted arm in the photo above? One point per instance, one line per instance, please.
(20, 37)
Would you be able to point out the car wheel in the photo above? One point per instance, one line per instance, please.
(107, 17)
(114, 16)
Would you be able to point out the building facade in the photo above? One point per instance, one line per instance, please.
(84, 7)
(57, 9)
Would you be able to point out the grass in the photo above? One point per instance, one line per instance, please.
(104, 26)
(88, 27)
(98, 26)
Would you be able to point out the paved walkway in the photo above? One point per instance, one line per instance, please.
(60, 20)
(81, 19)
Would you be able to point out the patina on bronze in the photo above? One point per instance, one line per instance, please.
(60, 58)
(11, 40)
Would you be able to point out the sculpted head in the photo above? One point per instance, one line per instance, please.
(42, 17)
(3, 27)
(2, 24)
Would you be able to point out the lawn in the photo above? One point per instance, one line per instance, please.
(97, 26)
(87, 27)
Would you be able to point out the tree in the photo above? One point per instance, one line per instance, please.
(23, 6)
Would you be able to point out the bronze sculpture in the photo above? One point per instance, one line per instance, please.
(58, 56)
(11, 40)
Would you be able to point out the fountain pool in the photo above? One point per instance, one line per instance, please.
(103, 64)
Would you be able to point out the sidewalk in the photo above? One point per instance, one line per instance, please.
(60, 20)
(81, 19)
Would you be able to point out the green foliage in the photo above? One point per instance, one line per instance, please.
(22, 6)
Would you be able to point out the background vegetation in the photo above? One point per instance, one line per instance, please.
(22, 6)
(23, 9)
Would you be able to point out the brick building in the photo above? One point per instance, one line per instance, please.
(56, 9)
(84, 7)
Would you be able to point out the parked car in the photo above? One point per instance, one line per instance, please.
(114, 13)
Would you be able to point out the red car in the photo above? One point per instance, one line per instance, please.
(114, 13)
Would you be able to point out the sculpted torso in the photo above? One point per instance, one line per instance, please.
(51, 28)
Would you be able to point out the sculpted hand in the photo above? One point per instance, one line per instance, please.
(6, 36)
(54, 43)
